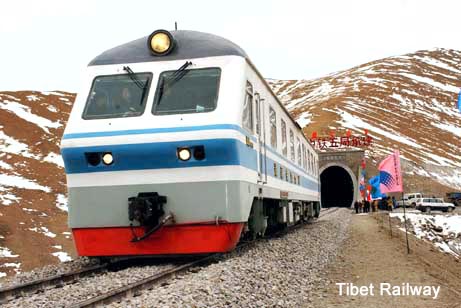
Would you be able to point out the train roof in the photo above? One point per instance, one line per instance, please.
(190, 45)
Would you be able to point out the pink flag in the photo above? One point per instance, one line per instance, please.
(390, 175)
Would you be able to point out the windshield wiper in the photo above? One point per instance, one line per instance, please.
(180, 72)
(134, 77)
(169, 81)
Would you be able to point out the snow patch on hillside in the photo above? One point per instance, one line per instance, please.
(20, 182)
(62, 256)
(13, 146)
(61, 202)
(442, 231)
(7, 253)
(25, 113)
(54, 159)
(6, 197)
(44, 231)
(431, 82)
(455, 130)
(353, 122)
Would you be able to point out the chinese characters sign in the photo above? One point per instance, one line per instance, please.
(332, 141)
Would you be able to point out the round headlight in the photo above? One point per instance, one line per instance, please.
(160, 42)
(107, 158)
(184, 154)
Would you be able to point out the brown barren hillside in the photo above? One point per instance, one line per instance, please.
(406, 102)
(33, 213)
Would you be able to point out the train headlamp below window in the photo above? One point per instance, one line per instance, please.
(184, 154)
(107, 158)
(160, 42)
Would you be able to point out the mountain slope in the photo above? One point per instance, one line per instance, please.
(406, 102)
(33, 214)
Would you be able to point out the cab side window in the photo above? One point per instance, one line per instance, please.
(257, 113)
(247, 118)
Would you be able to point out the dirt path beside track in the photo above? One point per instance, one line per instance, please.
(371, 256)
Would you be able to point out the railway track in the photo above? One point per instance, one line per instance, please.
(328, 211)
(9, 293)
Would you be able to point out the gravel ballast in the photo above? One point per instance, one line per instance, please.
(87, 287)
(280, 272)
(48, 271)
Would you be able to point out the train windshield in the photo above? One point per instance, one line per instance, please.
(117, 96)
(193, 91)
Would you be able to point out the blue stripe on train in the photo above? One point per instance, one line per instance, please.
(181, 129)
(162, 155)
(155, 131)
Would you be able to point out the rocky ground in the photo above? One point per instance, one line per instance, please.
(278, 272)
(281, 272)
(48, 271)
(371, 256)
(87, 287)
(299, 269)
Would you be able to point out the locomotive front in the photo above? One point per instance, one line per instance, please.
(152, 150)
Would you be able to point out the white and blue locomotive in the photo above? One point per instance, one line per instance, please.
(177, 145)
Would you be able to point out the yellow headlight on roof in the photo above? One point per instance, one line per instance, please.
(160, 42)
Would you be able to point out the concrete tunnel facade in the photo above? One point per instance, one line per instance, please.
(338, 185)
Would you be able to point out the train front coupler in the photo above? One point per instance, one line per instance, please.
(147, 210)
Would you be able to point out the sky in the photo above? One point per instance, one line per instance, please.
(47, 44)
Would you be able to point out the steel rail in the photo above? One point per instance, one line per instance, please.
(19, 290)
(135, 287)
(15, 291)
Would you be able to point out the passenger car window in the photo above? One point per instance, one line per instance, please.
(284, 138)
(273, 127)
(116, 96)
(304, 156)
(195, 92)
(299, 151)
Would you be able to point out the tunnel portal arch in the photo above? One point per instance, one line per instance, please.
(338, 185)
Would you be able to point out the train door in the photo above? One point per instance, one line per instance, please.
(261, 135)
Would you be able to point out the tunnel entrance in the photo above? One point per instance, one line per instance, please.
(337, 187)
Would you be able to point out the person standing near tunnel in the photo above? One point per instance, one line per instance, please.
(389, 204)
(356, 206)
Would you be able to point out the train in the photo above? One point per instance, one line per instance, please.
(176, 145)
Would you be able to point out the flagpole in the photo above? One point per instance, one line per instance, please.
(405, 222)
(390, 225)
(391, 175)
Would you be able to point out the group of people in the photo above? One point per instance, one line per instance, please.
(385, 204)
(363, 206)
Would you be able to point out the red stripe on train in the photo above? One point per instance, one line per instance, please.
(176, 239)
